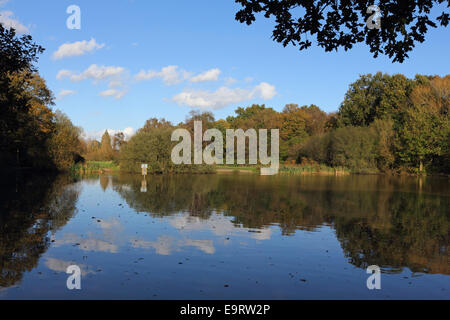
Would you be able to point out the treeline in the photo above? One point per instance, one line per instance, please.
(105, 150)
(387, 123)
(31, 134)
(152, 145)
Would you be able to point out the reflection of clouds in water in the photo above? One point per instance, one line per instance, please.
(219, 225)
(206, 246)
(162, 246)
(61, 266)
(166, 245)
(263, 234)
(125, 187)
(112, 229)
(4, 290)
(87, 244)
(107, 225)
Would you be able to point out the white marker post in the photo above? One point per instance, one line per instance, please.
(144, 168)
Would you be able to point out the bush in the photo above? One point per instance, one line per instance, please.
(351, 147)
(154, 147)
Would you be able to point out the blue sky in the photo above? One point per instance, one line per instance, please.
(137, 59)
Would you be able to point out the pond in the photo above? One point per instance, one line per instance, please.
(224, 236)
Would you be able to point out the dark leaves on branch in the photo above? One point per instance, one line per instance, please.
(339, 24)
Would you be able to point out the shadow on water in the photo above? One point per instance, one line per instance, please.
(31, 208)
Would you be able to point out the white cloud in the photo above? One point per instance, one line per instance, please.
(7, 20)
(170, 75)
(3, 2)
(64, 93)
(210, 75)
(115, 76)
(94, 72)
(128, 132)
(229, 81)
(224, 96)
(97, 135)
(76, 49)
(265, 91)
(63, 74)
(116, 93)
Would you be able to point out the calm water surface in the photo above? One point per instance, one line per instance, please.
(224, 236)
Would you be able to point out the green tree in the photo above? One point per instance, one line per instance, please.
(372, 97)
(153, 147)
(354, 148)
(422, 132)
(385, 149)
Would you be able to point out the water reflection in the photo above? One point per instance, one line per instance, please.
(392, 222)
(31, 208)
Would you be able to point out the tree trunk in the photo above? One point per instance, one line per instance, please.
(420, 166)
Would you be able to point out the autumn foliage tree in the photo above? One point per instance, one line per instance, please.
(410, 120)
(31, 135)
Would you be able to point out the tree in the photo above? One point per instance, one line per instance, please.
(33, 119)
(93, 150)
(118, 141)
(207, 119)
(385, 151)
(93, 146)
(292, 128)
(31, 134)
(422, 133)
(64, 144)
(156, 123)
(17, 54)
(315, 119)
(17, 72)
(371, 97)
(106, 149)
(354, 148)
(153, 147)
(343, 24)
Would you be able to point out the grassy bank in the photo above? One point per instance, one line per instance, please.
(308, 170)
(96, 167)
(235, 168)
(287, 169)
(110, 166)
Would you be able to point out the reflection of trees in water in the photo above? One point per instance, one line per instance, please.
(410, 229)
(389, 221)
(167, 195)
(30, 207)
